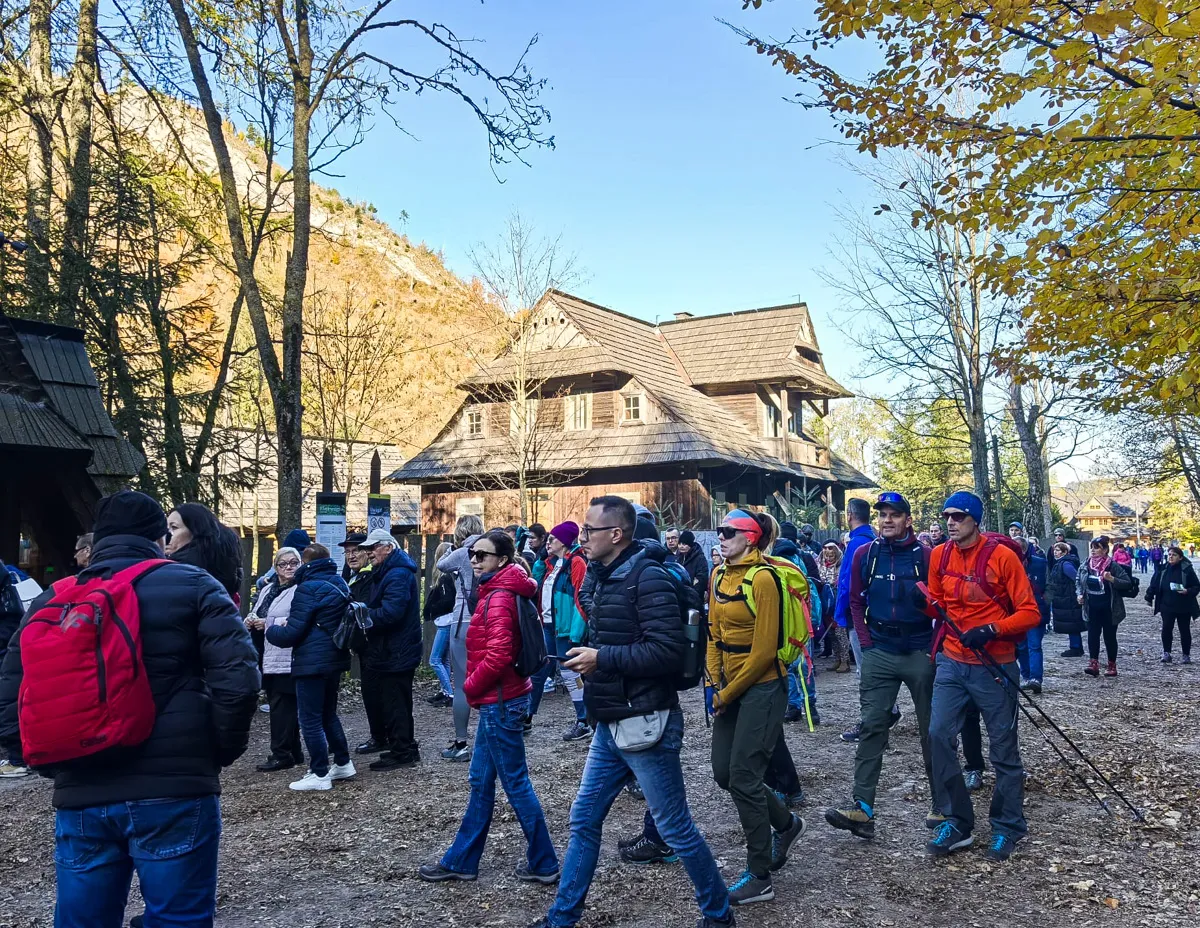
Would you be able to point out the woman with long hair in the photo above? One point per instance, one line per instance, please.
(829, 564)
(194, 536)
(1099, 588)
(1172, 594)
(458, 621)
(272, 608)
(439, 654)
(501, 696)
(750, 698)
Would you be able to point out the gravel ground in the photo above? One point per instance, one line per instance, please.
(349, 857)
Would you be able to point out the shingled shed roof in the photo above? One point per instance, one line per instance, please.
(699, 428)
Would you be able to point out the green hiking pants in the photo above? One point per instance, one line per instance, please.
(882, 674)
(743, 738)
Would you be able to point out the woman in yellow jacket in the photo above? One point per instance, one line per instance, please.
(745, 615)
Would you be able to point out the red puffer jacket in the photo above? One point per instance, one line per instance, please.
(492, 639)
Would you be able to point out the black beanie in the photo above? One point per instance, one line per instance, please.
(129, 513)
(788, 530)
(687, 538)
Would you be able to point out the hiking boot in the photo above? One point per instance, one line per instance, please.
(1024, 684)
(853, 734)
(396, 762)
(646, 851)
(728, 922)
(973, 779)
(457, 751)
(897, 715)
(440, 701)
(816, 716)
(272, 764)
(934, 817)
(748, 889)
(791, 800)
(1001, 848)
(841, 667)
(1186, 659)
(436, 873)
(1092, 669)
(635, 791)
(10, 771)
(858, 819)
(1111, 670)
(344, 771)
(578, 732)
(1072, 652)
(948, 840)
(525, 875)
(370, 746)
(527, 726)
(782, 842)
(310, 781)
(1166, 658)
(1035, 687)
(793, 714)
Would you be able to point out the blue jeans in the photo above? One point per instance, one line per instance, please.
(439, 659)
(171, 843)
(660, 776)
(500, 752)
(1029, 654)
(316, 705)
(1075, 640)
(539, 679)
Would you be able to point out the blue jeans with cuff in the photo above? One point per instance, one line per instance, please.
(439, 659)
(316, 705)
(171, 843)
(1029, 654)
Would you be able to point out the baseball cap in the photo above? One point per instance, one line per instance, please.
(893, 500)
(378, 537)
(354, 538)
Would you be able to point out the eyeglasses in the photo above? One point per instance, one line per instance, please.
(288, 564)
(586, 532)
(955, 516)
(727, 532)
(476, 554)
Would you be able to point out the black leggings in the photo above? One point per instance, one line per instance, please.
(1110, 640)
(1185, 631)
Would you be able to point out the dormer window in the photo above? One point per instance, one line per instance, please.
(579, 412)
(474, 423)
(632, 411)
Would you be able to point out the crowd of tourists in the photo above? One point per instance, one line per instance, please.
(622, 621)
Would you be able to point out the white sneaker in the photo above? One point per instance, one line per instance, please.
(342, 771)
(12, 771)
(311, 781)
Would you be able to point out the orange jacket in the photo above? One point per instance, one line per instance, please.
(969, 607)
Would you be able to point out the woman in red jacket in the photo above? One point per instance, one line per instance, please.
(501, 696)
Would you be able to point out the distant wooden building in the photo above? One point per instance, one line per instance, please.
(59, 451)
(687, 417)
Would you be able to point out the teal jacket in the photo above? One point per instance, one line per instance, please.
(565, 610)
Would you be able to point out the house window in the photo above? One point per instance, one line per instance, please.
(772, 420)
(796, 422)
(517, 420)
(468, 506)
(633, 408)
(474, 423)
(579, 412)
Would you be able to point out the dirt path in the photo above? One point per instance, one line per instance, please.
(348, 858)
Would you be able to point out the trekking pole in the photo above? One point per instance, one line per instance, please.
(1003, 679)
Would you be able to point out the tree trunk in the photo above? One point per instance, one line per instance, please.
(1026, 419)
(977, 431)
(39, 106)
(78, 120)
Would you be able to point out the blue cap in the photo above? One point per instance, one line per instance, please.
(893, 500)
(968, 502)
(1017, 524)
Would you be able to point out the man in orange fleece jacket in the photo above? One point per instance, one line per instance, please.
(984, 590)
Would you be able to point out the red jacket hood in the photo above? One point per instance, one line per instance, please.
(509, 577)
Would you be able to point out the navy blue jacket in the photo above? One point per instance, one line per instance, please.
(202, 670)
(317, 609)
(1036, 571)
(883, 580)
(394, 639)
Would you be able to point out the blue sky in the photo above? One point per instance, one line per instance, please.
(681, 176)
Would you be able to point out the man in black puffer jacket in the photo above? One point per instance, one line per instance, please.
(393, 651)
(636, 651)
(153, 809)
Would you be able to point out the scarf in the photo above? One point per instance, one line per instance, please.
(1098, 564)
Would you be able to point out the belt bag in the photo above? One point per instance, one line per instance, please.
(641, 732)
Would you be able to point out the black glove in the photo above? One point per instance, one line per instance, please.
(918, 598)
(979, 637)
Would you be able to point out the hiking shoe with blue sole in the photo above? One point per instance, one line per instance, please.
(948, 840)
(749, 889)
(782, 842)
(1000, 849)
(854, 819)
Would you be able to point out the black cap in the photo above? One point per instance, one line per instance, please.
(354, 538)
(893, 500)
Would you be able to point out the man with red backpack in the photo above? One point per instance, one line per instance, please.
(136, 762)
(980, 582)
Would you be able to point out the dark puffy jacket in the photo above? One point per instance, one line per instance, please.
(1171, 602)
(883, 580)
(1060, 590)
(317, 608)
(394, 640)
(493, 637)
(11, 609)
(1035, 569)
(203, 673)
(697, 567)
(637, 633)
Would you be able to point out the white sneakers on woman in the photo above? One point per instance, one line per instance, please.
(310, 781)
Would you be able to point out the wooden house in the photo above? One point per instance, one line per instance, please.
(688, 417)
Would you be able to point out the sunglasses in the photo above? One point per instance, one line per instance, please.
(955, 516)
(890, 499)
(727, 532)
(477, 555)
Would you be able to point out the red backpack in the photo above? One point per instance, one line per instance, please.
(991, 541)
(84, 687)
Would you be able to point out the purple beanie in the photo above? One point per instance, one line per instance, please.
(566, 532)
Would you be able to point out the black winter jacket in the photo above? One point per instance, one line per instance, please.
(203, 673)
(637, 633)
(317, 608)
(1168, 601)
(696, 565)
(394, 640)
(10, 608)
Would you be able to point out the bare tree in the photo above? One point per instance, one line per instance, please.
(517, 269)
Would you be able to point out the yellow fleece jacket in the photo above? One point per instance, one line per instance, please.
(734, 625)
